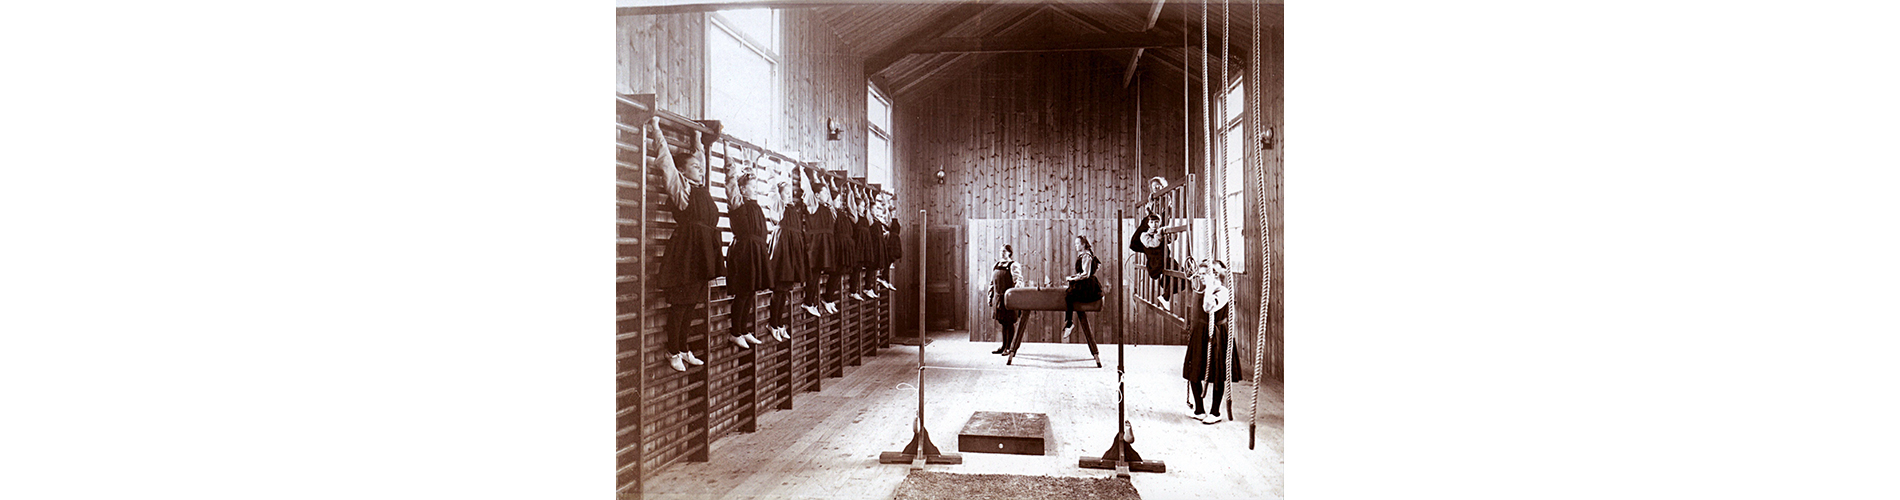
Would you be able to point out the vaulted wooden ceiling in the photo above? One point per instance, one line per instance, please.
(911, 46)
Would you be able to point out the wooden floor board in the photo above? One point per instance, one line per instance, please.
(827, 445)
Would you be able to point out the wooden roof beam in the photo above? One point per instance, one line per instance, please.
(949, 20)
(1154, 14)
(1007, 26)
(651, 7)
(1051, 43)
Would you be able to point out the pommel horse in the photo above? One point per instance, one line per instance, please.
(1030, 299)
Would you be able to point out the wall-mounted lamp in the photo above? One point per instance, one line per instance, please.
(1266, 138)
(833, 130)
(940, 175)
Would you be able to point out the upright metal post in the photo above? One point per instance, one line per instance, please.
(920, 450)
(1121, 455)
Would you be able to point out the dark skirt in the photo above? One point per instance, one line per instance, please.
(791, 261)
(819, 240)
(692, 258)
(893, 245)
(1084, 291)
(870, 248)
(748, 264)
(1004, 316)
(845, 251)
(1195, 366)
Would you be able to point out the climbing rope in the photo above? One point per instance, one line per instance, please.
(1266, 245)
(1207, 161)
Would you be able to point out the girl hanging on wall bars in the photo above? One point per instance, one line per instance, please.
(692, 257)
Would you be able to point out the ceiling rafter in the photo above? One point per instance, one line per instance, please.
(1102, 27)
(1154, 14)
(1005, 27)
(1050, 43)
(935, 28)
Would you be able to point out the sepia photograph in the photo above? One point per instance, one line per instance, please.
(949, 249)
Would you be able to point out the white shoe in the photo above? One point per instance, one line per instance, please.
(855, 296)
(1163, 301)
(813, 310)
(887, 284)
(870, 293)
(831, 307)
(692, 360)
(751, 339)
(1211, 419)
(1065, 333)
(779, 333)
(741, 341)
(678, 361)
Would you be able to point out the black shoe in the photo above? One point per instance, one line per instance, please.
(998, 350)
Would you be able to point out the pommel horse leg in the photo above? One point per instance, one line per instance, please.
(1051, 299)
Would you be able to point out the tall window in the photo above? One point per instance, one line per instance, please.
(878, 142)
(1230, 189)
(742, 73)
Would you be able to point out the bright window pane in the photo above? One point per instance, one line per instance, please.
(757, 23)
(1236, 101)
(879, 112)
(878, 161)
(739, 88)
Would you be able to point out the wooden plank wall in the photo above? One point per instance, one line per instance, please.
(1055, 143)
(666, 416)
(822, 80)
(1272, 75)
(661, 55)
(1051, 144)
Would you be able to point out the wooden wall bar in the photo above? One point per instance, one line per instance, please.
(666, 416)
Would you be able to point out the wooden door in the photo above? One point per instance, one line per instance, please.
(945, 278)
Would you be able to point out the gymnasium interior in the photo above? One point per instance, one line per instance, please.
(973, 125)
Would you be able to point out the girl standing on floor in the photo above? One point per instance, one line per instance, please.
(1083, 288)
(791, 264)
(750, 257)
(1006, 274)
(692, 257)
(1211, 359)
(823, 245)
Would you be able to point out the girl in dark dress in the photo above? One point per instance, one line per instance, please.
(1083, 287)
(1212, 360)
(1003, 276)
(1149, 242)
(791, 264)
(748, 260)
(870, 238)
(844, 232)
(821, 243)
(692, 257)
(893, 243)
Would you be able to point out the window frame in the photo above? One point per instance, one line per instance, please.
(1232, 200)
(879, 131)
(718, 24)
